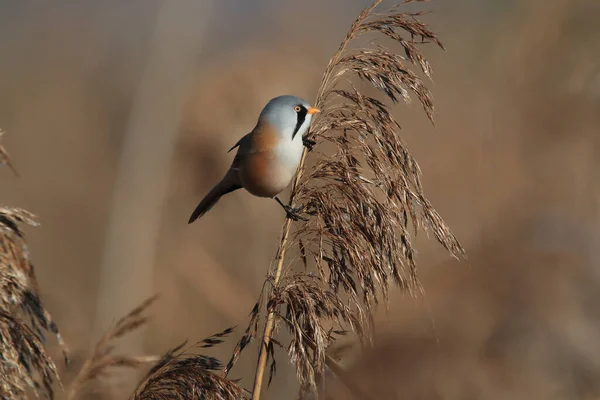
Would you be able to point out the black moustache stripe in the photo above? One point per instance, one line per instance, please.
(301, 118)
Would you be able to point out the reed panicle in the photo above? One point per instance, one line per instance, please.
(102, 361)
(364, 195)
(183, 375)
(24, 321)
(4, 159)
(310, 337)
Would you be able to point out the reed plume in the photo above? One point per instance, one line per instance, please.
(102, 361)
(363, 193)
(4, 159)
(181, 374)
(24, 321)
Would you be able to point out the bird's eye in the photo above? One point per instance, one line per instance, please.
(297, 108)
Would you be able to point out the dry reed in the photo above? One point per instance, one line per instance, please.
(182, 375)
(103, 361)
(4, 159)
(24, 362)
(362, 197)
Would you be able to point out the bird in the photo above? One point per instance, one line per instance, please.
(267, 158)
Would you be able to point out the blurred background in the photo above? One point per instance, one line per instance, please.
(119, 116)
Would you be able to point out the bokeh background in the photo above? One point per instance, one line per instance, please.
(119, 115)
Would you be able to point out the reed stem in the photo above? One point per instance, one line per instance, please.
(270, 324)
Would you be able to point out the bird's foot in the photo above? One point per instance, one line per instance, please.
(308, 143)
(294, 213)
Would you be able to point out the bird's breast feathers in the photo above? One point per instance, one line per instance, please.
(278, 145)
(270, 162)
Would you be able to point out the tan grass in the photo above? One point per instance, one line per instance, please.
(181, 374)
(24, 321)
(102, 362)
(363, 198)
(4, 159)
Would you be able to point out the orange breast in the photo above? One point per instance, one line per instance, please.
(264, 138)
(259, 170)
(257, 175)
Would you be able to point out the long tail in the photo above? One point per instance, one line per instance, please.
(227, 185)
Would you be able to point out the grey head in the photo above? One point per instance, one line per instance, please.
(289, 115)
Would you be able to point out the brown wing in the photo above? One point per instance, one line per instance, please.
(239, 142)
(243, 145)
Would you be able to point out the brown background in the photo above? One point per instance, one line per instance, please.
(511, 165)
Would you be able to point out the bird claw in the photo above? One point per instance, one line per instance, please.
(308, 143)
(294, 213)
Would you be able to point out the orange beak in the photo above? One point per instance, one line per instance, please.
(313, 110)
